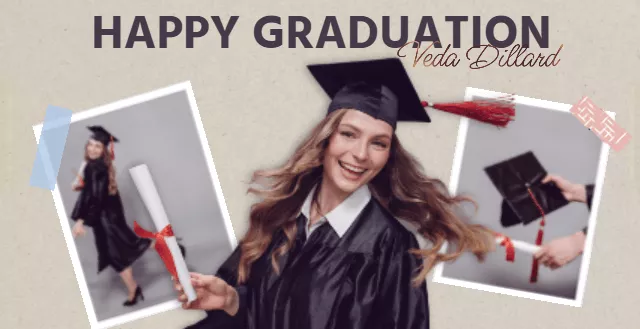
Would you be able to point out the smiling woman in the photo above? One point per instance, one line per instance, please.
(99, 207)
(324, 247)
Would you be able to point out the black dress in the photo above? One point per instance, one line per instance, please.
(362, 280)
(117, 245)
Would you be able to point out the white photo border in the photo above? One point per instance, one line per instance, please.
(453, 185)
(66, 230)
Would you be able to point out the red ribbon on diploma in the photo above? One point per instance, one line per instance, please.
(510, 249)
(79, 178)
(161, 244)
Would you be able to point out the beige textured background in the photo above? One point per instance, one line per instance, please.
(257, 103)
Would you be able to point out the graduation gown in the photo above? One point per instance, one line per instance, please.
(357, 281)
(117, 245)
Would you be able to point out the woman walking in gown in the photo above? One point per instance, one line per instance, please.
(99, 207)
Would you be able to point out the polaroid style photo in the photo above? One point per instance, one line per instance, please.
(144, 159)
(538, 182)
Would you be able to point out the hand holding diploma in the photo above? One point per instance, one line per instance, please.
(561, 251)
(78, 182)
(165, 241)
(213, 294)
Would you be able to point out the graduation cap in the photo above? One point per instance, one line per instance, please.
(525, 197)
(382, 89)
(102, 135)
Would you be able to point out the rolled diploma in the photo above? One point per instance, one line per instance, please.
(80, 172)
(520, 245)
(144, 183)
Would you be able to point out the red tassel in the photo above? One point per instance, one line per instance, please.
(497, 112)
(113, 153)
(534, 267)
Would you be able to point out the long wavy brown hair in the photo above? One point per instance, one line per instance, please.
(106, 157)
(401, 187)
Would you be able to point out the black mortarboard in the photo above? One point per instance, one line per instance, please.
(514, 178)
(380, 88)
(102, 135)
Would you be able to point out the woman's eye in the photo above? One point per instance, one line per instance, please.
(347, 134)
(380, 144)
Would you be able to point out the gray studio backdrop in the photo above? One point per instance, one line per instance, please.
(162, 134)
(563, 147)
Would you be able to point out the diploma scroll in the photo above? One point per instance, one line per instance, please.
(144, 183)
(79, 179)
(520, 245)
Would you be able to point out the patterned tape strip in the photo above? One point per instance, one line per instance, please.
(53, 137)
(600, 123)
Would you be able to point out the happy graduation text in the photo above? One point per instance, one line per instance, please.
(423, 45)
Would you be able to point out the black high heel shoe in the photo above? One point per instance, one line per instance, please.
(135, 298)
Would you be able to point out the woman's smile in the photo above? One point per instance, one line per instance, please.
(350, 171)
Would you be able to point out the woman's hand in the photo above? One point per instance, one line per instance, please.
(212, 293)
(77, 185)
(561, 251)
(78, 228)
(571, 191)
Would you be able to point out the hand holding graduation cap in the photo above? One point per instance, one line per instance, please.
(571, 191)
(212, 292)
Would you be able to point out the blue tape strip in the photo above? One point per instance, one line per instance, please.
(50, 147)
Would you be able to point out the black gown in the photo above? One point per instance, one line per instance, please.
(362, 280)
(117, 245)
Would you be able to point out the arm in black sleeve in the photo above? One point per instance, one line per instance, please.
(98, 191)
(229, 273)
(91, 199)
(589, 191)
(80, 208)
(218, 318)
(589, 188)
